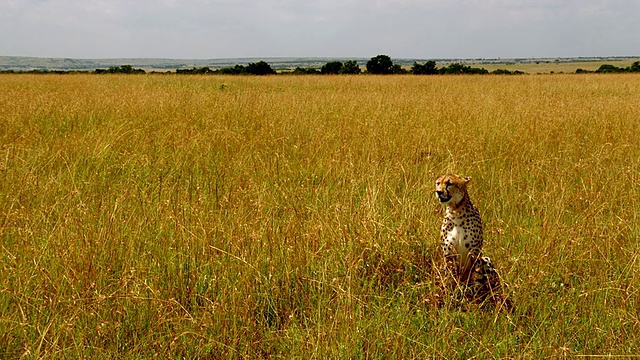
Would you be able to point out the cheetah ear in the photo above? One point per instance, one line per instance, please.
(467, 179)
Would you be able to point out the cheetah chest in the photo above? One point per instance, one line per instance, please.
(457, 239)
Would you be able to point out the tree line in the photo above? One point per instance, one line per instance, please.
(124, 69)
(612, 69)
(380, 65)
(263, 68)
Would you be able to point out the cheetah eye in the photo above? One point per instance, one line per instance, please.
(437, 183)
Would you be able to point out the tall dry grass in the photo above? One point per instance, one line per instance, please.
(226, 217)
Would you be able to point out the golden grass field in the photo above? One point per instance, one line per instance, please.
(294, 217)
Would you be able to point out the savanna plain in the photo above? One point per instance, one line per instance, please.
(161, 216)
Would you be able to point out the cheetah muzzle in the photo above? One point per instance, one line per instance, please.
(442, 197)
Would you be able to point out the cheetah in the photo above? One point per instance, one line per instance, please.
(461, 231)
(462, 239)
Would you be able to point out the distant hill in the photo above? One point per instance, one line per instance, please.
(19, 63)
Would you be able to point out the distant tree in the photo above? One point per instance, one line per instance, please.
(453, 69)
(380, 64)
(397, 69)
(481, 71)
(333, 67)
(240, 69)
(127, 69)
(305, 71)
(184, 71)
(236, 70)
(461, 69)
(123, 69)
(350, 67)
(606, 68)
(259, 68)
(506, 72)
(428, 68)
(195, 71)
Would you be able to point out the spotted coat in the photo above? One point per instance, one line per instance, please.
(461, 231)
(461, 240)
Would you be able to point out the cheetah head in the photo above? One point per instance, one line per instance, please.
(450, 189)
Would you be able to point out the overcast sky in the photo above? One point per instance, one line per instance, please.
(205, 29)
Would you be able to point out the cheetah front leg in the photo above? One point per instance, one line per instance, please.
(469, 265)
(451, 258)
(451, 262)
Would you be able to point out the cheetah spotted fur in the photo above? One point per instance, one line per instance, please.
(461, 231)
(461, 240)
